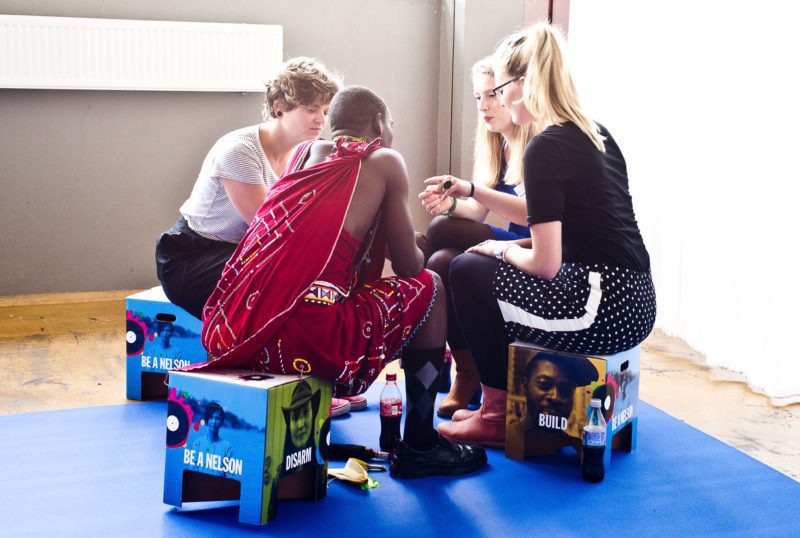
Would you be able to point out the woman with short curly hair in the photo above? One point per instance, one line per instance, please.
(233, 182)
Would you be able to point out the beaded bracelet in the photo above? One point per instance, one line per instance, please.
(451, 208)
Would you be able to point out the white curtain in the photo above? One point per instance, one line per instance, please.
(702, 97)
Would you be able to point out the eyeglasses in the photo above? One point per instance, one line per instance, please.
(498, 90)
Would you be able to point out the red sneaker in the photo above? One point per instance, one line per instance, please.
(357, 403)
(339, 407)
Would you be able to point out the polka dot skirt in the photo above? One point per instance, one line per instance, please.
(585, 309)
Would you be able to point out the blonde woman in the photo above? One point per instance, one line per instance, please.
(584, 286)
(496, 186)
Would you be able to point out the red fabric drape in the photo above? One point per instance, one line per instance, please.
(285, 249)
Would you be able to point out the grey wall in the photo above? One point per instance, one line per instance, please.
(88, 179)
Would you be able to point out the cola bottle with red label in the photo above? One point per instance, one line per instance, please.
(391, 405)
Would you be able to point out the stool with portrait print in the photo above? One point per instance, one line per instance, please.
(251, 438)
(549, 393)
(159, 336)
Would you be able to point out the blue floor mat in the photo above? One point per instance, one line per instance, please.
(99, 472)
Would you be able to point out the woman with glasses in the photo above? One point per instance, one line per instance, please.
(458, 223)
(584, 286)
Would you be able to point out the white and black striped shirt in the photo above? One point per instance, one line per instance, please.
(237, 156)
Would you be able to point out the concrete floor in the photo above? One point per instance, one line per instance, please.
(63, 351)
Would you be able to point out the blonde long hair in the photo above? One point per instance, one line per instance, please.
(539, 54)
(488, 150)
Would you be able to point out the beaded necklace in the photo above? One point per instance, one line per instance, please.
(349, 138)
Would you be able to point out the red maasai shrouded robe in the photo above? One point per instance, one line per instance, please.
(292, 298)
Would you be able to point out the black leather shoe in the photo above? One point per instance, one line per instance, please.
(446, 458)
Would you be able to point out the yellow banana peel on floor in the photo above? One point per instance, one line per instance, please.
(355, 472)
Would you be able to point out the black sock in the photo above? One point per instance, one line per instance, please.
(422, 367)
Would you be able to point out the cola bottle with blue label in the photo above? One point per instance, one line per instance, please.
(594, 444)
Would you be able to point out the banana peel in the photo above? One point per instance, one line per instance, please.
(355, 472)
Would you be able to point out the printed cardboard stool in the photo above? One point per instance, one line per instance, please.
(235, 434)
(549, 393)
(159, 336)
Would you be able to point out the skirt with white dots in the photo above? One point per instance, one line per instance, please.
(586, 309)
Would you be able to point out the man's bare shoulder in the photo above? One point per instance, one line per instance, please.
(320, 149)
(387, 161)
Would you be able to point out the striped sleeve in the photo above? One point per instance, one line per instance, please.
(238, 162)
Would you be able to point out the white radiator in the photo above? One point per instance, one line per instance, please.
(112, 54)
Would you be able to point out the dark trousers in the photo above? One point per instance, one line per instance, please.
(479, 316)
(189, 266)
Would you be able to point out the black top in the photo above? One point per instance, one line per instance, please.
(568, 179)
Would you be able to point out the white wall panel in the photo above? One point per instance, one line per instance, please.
(115, 54)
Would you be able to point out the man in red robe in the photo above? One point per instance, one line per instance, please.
(303, 292)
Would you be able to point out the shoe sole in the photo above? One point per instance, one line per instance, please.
(444, 414)
(449, 414)
(358, 406)
(445, 471)
(418, 472)
(339, 411)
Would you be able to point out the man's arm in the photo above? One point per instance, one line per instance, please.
(407, 259)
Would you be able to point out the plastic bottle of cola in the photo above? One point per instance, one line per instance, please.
(594, 444)
(391, 413)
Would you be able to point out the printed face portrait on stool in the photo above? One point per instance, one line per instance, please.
(550, 381)
(299, 414)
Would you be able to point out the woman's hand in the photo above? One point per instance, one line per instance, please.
(490, 247)
(433, 202)
(538, 256)
(448, 185)
(441, 192)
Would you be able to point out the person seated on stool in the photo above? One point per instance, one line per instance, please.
(458, 223)
(234, 180)
(303, 292)
(585, 286)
